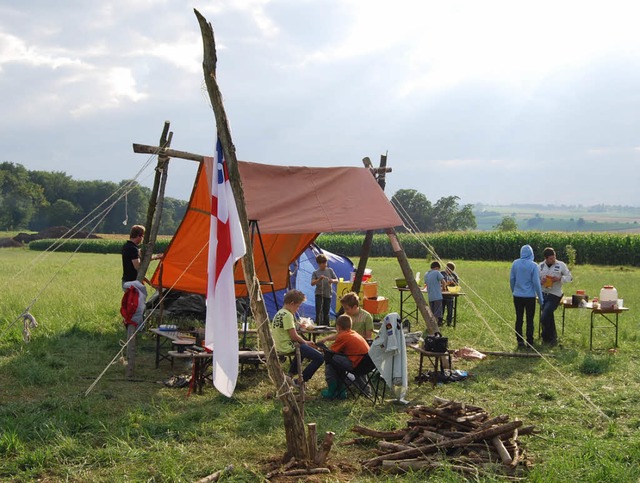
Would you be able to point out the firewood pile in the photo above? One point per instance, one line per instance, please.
(451, 434)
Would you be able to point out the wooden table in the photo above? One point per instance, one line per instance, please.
(202, 360)
(165, 338)
(609, 318)
(411, 312)
(435, 358)
(312, 334)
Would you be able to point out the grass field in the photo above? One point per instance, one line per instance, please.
(586, 404)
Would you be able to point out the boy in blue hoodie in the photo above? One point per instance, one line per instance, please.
(525, 285)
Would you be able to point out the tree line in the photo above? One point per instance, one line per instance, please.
(445, 215)
(34, 200)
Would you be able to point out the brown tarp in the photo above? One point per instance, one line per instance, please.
(292, 205)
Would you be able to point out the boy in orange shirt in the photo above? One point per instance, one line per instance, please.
(348, 350)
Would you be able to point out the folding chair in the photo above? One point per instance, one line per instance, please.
(364, 380)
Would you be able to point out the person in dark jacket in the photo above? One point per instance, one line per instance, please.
(525, 285)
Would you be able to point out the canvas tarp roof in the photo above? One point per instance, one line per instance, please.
(292, 206)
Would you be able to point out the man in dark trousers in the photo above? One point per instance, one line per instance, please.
(131, 254)
(553, 273)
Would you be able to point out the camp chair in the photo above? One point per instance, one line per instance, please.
(363, 380)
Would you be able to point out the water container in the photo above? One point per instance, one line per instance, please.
(608, 297)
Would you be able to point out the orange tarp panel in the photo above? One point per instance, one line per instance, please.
(291, 205)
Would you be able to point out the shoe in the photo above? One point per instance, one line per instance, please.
(331, 392)
(298, 385)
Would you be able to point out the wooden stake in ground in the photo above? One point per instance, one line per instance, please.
(293, 419)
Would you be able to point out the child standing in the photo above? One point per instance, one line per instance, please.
(450, 279)
(435, 284)
(322, 279)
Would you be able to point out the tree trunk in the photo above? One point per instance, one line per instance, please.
(293, 420)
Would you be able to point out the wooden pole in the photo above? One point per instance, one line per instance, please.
(425, 311)
(293, 420)
(154, 213)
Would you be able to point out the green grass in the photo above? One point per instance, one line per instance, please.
(585, 404)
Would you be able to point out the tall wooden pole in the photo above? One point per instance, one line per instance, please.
(365, 250)
(154, 214)
(293, 419)
(418, 296)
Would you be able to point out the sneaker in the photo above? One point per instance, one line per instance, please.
(298, 385)
(351, 377)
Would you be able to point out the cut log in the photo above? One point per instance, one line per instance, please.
(502, 451)
(388, 435)
(393, 447)
(312, 441)
(216, 476)
(327, 443)
(310, 471)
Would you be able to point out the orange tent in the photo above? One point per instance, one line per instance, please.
(291, 205)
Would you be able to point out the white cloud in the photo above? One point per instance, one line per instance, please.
(15, 50)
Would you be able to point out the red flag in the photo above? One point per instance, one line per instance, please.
(226, 246)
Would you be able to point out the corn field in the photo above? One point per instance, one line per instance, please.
(574, 248)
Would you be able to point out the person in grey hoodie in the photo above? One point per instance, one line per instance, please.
(525, 285)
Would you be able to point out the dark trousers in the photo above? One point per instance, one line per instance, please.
(448, 306)
(338, 366)
(547, 319)
(315, 357)
(323, 305)
(524, 306)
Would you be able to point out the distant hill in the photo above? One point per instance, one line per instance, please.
(597, 218)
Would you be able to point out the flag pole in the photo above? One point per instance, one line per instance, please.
(293, 419)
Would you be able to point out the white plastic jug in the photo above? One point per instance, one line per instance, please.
(608, 297)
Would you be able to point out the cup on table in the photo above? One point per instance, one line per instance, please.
(620, 303)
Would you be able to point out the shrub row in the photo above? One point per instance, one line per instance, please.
(580, 248)
(592, 248)
(89, 245)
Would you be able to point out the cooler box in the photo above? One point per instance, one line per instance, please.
(370, 289)
(344, 288)
(377, 305)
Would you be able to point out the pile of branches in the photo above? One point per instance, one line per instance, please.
(451, 434)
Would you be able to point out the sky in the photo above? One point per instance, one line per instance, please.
(496, 102)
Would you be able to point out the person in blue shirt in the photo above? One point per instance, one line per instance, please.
(435, 284)
(525, 285)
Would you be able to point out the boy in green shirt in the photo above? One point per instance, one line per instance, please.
(283, 331)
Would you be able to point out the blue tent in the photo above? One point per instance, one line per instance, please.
(301, 271)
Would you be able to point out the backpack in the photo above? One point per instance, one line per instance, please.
(129, 305)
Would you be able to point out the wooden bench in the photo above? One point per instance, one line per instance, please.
(202, 360)
(165, 339)
(437, 360)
